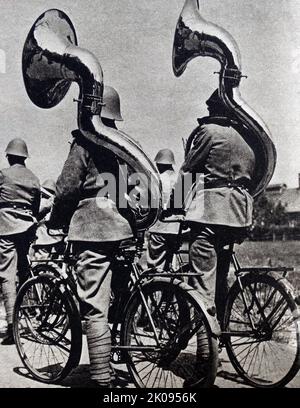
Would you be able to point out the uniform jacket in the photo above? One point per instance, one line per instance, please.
(220, 153)
(92, 218)
(168, 180)
(18, 185)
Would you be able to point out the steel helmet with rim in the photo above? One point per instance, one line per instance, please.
(49, 185)
(164, 156)
(112, 108)
(17, 147)
(214, 99)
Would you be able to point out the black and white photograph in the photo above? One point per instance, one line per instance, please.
(149, 196)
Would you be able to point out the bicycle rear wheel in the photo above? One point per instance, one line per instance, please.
(47, 329)
(267, 355)
(167, 337)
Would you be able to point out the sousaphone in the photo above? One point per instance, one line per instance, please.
(51, 61)
(196, 37)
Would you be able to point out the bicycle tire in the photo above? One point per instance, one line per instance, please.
(181, 326)
(272, 305)
(47, 324)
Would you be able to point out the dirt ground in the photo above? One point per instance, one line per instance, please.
(14, 375)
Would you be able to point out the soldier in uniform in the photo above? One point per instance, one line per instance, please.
(19, 206)
(161, 242)
(96, 229)
(222, 211)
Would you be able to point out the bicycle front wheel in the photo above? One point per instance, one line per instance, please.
(47, 329)
(261, 331)
(167, 339)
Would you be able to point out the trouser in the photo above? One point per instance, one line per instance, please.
(13, 263)
(211, 261)
(93, 269)
(160, 250)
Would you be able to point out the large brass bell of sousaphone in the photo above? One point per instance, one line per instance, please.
(42, 75)
(52, 60)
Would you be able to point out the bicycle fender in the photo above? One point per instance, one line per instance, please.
(285, 284)
(212, 321)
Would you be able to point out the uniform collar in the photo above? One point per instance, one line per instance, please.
(18, 165)
(217, 120)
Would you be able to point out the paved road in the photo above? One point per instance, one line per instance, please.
(13, 374)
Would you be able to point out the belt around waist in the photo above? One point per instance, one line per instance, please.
(241, 183)
(16, 206)
(92, 194)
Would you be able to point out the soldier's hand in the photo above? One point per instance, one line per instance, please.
(172, 215)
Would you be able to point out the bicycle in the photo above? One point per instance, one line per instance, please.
(157, 321)
(259, 321)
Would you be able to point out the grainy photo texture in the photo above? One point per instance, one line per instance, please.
(149, 195)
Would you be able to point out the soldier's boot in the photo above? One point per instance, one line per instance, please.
(9, 337)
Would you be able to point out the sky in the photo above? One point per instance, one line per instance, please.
(133, 39)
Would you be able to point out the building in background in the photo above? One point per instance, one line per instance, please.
(289, 199)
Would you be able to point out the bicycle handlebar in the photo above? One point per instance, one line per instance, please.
(62, 234)
(180, 218)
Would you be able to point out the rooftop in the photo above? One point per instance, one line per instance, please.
(290, 198)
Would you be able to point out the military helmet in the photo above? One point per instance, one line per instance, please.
(111, 109)
(165, 156)
(17, 147)
(214, 99)
(49, 185)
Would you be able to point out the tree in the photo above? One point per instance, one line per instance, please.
(268, 213)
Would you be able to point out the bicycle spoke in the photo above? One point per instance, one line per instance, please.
(178, 324)
(264, 355)
(43, 332)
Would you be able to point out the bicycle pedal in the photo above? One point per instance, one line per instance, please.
(221, 345)
(116, 357)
